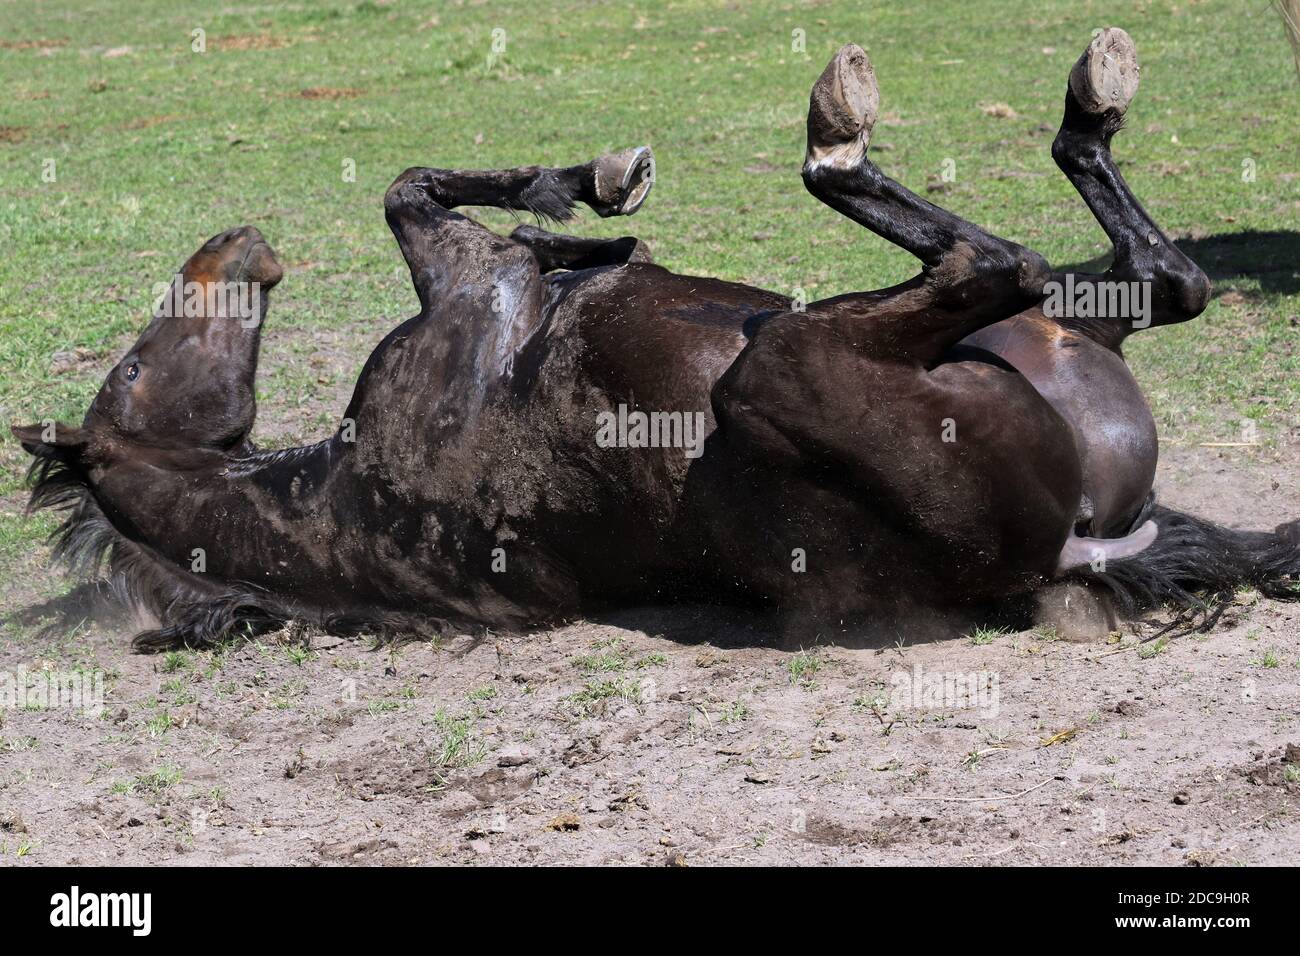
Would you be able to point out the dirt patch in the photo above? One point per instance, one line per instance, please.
(330, 93)
(613, 743)
(257, 41)
(146, 122)
(12, 134)
(76, 361)
(32, 44)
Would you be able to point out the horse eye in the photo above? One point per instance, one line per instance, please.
(132, 372)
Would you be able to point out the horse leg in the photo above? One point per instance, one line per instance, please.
(556, 251)
(969, 278)
(999, 521)
(612, 185)
(1102, 84)
(419, 201)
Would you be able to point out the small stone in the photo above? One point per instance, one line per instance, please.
(629, 800)
(514, 756)
(564, 823)
(1182, 798)
(757, 776)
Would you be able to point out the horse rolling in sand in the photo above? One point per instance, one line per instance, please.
(950, 446)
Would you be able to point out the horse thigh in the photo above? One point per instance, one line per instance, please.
(966, 461)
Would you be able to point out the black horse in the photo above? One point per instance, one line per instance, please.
(566, 427)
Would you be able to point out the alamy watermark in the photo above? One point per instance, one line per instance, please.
(74, 908)
(192, 300)
(1098, 299)
(945, 690)
(51, 690)
(637, 429)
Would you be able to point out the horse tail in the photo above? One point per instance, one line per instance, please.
(1195, 566)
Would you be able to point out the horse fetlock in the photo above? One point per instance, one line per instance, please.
(1083, 143)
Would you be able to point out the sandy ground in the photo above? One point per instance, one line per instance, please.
(607, 744)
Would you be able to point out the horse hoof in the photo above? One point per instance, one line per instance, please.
(1074, 612)
(623, 181)
(1106, 76)
(842, 108)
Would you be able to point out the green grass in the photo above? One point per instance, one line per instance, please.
(587, 701)
(175, 661)
(157, 147)
(986, 635)
(163, 778)
(1154, 649)
(734, 712)
(803, 667)
(1268, 659)
(456, 746)
(599, 663)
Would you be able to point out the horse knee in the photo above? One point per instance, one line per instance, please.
(393, 195)
(1027, 269)
(411, 188)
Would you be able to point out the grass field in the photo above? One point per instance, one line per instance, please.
(122, 148)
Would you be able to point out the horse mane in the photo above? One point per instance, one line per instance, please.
(192, 612)
(90, 548)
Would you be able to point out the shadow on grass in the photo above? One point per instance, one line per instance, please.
(1272, 258)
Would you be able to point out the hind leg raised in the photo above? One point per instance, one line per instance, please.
(1102, 83)
(970, 278)
(894, 473)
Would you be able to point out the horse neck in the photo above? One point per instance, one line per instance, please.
(264, 519)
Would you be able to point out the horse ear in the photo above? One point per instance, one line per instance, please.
(65, 443)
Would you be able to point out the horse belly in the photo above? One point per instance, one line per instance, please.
(1094, 391)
